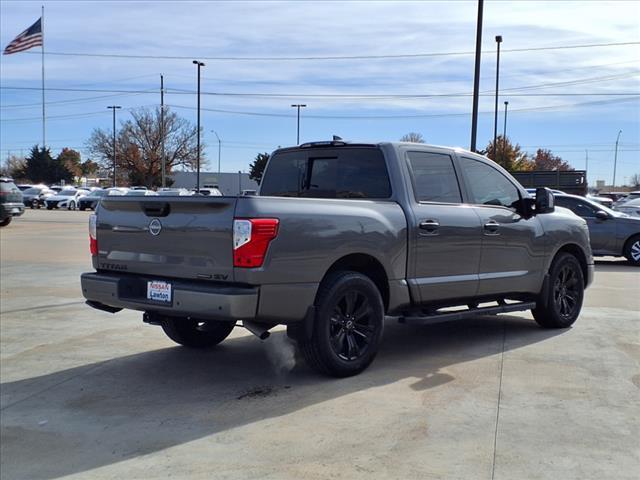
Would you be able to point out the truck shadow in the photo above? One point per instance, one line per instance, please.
(107, 412)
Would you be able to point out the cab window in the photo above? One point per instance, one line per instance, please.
(434, 178)
(487, 186)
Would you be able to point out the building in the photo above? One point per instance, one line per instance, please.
(227, 183)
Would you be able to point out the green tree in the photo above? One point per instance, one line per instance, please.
(509, 156)
(40, 167)
(139, 146)
(89, 167)
(256, 169)
(412, 137)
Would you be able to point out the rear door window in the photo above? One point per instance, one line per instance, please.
(327, 173)
(434, 178)
(580, 208)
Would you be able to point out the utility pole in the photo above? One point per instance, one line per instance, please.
(476, 78)
(504, 129)
(199, 64)
(114, 108)
(219, 149)
(162, 157)
(615, 161)
(298, 106)
(495, 113)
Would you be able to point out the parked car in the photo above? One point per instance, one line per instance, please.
(631, 208)
(213, 191)
(339, 236)
(611, 232)
(58, 188)
(35, 196)
(532, 191)
(140, 193)
(67, 198)
(606, 201)
(11, 204)
(175, 192)
(631, 196)
(91, 200)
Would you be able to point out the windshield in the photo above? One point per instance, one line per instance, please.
(67, 193)
(33, 190)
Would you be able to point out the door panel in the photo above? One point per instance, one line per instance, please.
(512, 252)
(448, 254)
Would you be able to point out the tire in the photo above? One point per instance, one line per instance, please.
(564, 295)
(49, 207)
(5, 222)
(194, 333)
(348, 325)
(632, 250)
(82, 208)
(72, 205)
(34, 204)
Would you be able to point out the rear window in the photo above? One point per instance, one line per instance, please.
(8, 187)
(327, 173)
(434, 178)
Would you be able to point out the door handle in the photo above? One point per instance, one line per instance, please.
(492, 228)
(430, 226)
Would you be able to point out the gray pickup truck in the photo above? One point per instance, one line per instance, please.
(339, 236)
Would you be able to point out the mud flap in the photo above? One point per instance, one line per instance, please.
(303, 330)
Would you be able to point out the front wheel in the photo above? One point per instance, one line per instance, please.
(196, 333)
(632, 250)
(49, 207)
(5, 222)
(34, 204)
(72, 205)
(348, 325)
(564, 296)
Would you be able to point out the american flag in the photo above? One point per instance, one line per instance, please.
(31, 37)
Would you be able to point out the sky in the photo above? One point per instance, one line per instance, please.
(412, 72)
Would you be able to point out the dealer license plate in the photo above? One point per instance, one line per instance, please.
(159, 291)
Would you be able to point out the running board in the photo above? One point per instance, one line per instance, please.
(472, 312)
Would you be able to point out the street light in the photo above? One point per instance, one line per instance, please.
(298, 106)
(495, 116)
(615, 161)
(219, 149)
(199, 64)
(504, 130)
(114, 108)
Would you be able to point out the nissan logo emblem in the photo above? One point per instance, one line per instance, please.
(155, 227)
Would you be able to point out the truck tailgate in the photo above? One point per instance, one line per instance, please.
(180, 237)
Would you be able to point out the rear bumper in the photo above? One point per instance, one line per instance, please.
(189, 298)
(12, 209)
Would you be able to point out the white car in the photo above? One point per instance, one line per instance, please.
(632, 207)
(66, 198)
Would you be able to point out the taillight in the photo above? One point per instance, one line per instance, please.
(93, 237)
(251, 237)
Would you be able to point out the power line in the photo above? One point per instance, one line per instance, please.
(332, 57)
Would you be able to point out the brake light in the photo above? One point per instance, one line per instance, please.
(93, 237)
(251, 237)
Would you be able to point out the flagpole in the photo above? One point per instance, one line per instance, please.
(43, 111)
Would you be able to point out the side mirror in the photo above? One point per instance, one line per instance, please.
(545, 203)
(600, 215)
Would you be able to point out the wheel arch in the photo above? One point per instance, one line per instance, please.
(366, 265)
(579, 254)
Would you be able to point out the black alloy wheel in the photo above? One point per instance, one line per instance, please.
(350, 330)
(567, 291)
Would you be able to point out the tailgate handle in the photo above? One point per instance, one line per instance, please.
(156, 209)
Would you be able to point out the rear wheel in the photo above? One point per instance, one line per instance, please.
(34, 203)
(564, 296)
(348, 325)
(5, 222)
(632, 250)
(196, 333)
(72, 205)
(49, 207)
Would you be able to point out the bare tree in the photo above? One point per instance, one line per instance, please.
(412, 137)
(139, 146)
(634, 181)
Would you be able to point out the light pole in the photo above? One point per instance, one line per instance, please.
(219, 149)
(504, 130)
(199, 64)
(495, 116)
(476, 78)
(298, 106)
(114, 108)
(615, 161)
